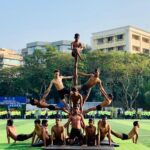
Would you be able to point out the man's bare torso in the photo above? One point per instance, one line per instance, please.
(58, 83)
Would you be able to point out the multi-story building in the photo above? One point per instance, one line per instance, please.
(9, 58)
(126, 38)
(63, 45)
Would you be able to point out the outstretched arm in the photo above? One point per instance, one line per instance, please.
(67, 77)
(101, 88)
(47, 91)
(84, 74)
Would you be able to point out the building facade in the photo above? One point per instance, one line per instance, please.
(128, 38)
(9, 58)
(63, 46)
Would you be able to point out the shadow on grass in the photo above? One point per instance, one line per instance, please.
(18, 146)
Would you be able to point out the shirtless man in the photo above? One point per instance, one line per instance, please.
(77, 122)
(93, 80)
(90, 133)
(76, 46)
(133, 134)
(11, 133)
(57, 81)
(45, 136)
(57, 133)
(107, 101)
(38, 131)
(104, 129)
(42, 104)
(76, 98)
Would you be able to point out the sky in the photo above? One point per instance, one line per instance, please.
(24, 21)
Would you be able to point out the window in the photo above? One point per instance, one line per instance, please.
(145, 40)
(147, 51)
(110, 39)
(119, 37)
(100, 41)
(120, 48)
(135, 37)
(135, 48)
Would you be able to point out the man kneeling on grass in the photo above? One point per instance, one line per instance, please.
(133, 134)
(11, 133)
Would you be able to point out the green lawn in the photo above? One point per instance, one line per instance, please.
(27, 126)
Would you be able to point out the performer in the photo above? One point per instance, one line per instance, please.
(38, 131)
(93, 80)
(133, 134)
(57, 133)
(76, 98)
(11, 133)
(46, 137)
(57, 81)
(77, 122)
(90, 133)
(42, 104)
(104, 129)
(76, 46)
(107, 101)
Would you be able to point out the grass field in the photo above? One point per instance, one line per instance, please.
(27, 126)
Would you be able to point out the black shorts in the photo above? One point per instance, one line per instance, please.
(51, 107)
(85, 90)
(23, 137)
(91, 141)
(76, 133)
(98, 107)
(74, 54)
(63, 92)
(58, 142)
(125, 136)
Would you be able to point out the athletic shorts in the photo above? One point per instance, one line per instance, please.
(51, 107)
(58, 142)
(91, 141)
(74, 54)
(85, 90)
(125, 136)
(76, 133)
(98, 107)
(63, 92)
(23, 137)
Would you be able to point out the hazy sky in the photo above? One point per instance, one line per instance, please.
(23, 21)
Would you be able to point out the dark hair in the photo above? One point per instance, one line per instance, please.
(110, 95)
(44, 121)
(76, 35)
(97, 69)
(32, 101)
(91, 120)
(104, 117)
(56, 71)
(74, 89)
(10, 122)
(37, 121)
(135, 123)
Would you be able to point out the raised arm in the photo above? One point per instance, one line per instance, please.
(81, 102)
(8, 137)
(82, 120)
(84, 74)
(48, 90)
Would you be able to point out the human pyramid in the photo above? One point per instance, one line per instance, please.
(77, 98)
